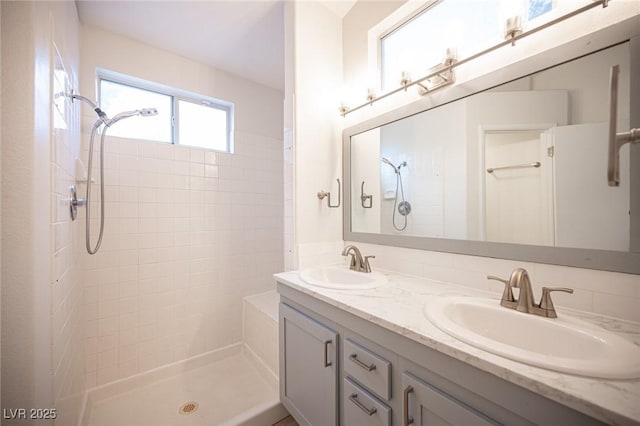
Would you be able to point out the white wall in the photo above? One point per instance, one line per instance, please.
(0, 212)
(318, 140)
(365, 166)
(290, 258)
(189, 232)
(604, 211)
(41, 326)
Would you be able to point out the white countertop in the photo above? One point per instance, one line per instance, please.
(398, 306)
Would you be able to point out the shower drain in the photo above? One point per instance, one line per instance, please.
(188, 407)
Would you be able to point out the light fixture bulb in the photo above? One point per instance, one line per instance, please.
(513, 28)
(343, 109)
(451, 55)
(371, 95)
(405, 79)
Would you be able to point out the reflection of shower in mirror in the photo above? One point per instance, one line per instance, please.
(404, 207)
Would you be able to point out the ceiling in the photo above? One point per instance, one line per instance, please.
(245, 38)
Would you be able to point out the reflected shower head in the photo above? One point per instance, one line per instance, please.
(145, 112)
(395, 169)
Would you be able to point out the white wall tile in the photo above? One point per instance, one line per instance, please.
(607, 293)
(163, 285)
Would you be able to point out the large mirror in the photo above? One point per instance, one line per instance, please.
(522, 164)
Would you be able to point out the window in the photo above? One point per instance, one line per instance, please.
(183, 118)
(421, 41)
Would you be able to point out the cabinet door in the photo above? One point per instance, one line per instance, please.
(424, 404)
(308, 370)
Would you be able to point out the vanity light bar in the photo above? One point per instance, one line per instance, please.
(450, 65)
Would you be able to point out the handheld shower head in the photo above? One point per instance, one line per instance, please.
(146, 112)
(395, 169)
(386, 161)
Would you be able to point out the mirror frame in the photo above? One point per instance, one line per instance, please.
(616, 261)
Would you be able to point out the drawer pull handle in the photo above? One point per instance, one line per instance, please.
(354, 398)
(354, 358)
(407, 419)
(327, 363)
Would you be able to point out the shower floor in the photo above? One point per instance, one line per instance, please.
(229, 391)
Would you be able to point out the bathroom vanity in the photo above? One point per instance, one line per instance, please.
(371, 357)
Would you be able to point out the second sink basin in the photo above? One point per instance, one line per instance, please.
(342, 278)
(562, 344)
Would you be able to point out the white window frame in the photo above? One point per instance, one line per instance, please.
(395, 20)
(176, 96)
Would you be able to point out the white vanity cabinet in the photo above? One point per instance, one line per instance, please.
(337, 368)
(309, 366)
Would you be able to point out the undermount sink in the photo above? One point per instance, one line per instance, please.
(562, 344)
(342, 278)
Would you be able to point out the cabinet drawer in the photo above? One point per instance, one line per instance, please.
(371, 370)
(362, 408)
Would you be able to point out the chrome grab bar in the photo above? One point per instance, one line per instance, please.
(354, 358)
(518, 166)
(616, 140)
(354, 398)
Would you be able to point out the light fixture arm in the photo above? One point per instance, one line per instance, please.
(511, 40)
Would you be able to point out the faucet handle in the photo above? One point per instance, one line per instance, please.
(366, 266)
(547, 304)
(507, 295)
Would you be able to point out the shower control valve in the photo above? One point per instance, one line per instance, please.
(74, 202)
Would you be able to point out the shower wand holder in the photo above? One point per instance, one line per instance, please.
(366, 200)
(324, 194)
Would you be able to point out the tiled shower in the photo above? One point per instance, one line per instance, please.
(188, 232)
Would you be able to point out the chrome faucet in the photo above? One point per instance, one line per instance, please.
(526, 302)
(358, 263)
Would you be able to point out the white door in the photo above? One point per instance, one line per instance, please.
(583, 199)
(518, 187)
